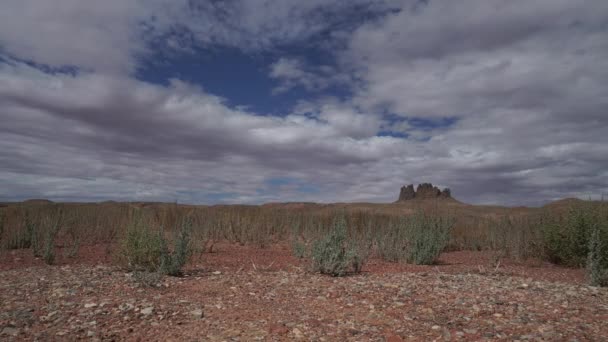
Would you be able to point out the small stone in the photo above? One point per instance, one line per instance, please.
(217, 273)
(10, 331)
(435, 327)
(297, 333)
(90, 305)
(198, 313)
(125, 307)
(147, 311)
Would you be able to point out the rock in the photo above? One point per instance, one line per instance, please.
(407, 193)
(446, 193)
(423, 191)
(90, 305)
(198, 313)
(10, 331)
(126, 307)
(427, 190)
(297, 333)
(147, 311)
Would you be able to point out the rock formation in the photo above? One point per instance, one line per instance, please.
(423, 191)
(407, 193)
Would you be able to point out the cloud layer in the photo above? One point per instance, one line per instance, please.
(504, 102)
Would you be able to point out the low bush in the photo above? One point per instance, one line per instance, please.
(173, 262)
(335, 254)
(566, 237)
(298, 248)
(391, 240)
(419, 238)
(597, 259)
(146, 249)
(142, 247)
(427, 236)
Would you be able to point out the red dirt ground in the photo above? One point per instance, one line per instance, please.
(240, 293)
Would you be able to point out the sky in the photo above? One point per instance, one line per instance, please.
(254, 101)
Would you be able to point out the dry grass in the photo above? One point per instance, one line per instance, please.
(519, 233)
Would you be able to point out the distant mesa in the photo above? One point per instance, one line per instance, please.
(423, 191)
(37, 201)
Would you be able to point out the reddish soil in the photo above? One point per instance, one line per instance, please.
(241, 293)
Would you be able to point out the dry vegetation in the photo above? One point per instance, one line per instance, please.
(150, 241)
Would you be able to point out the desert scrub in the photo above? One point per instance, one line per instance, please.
(515, 236)
(391, 241)
(427, 236)
(145, 248)
(142, 246)
(173, 262)
(566, 238)
(335, 254)
(597, 259)
(418, 238)
(298, 248)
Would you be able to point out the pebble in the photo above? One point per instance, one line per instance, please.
(297, 333)
(198, 313)
(147, 311)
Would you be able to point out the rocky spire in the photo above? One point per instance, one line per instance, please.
(423, 191)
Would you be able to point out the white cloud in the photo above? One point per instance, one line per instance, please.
(97, 35)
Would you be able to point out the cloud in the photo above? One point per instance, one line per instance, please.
(90, 126)
(293, 72)
(96, 35)
(504, 102)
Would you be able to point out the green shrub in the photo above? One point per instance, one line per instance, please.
(566, 237)
(334, 254)
(391, 241)
(145, 249)
(50, 225)
(427, 236)
(597, 259)
(298, 248)
(142, 247)
(172, 263)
